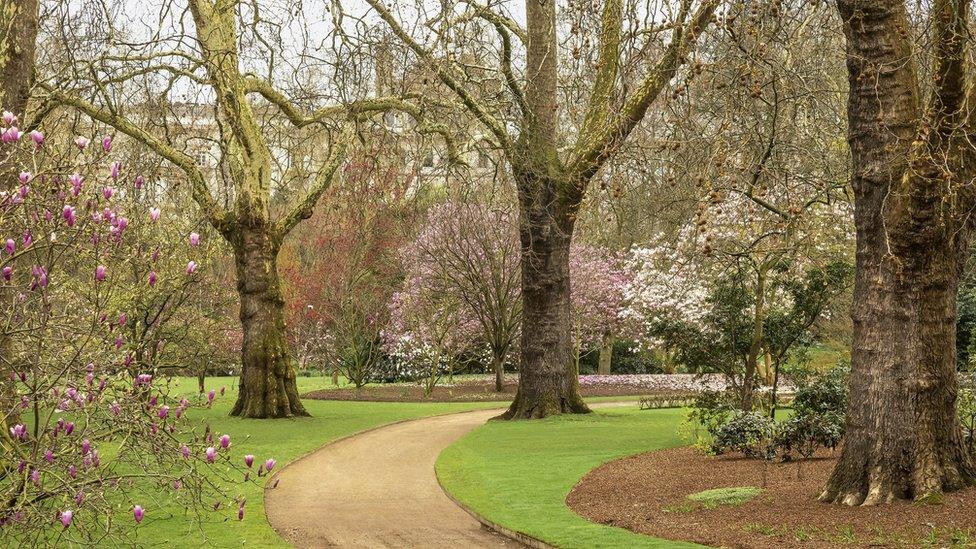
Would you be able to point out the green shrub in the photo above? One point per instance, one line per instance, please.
(750, 433)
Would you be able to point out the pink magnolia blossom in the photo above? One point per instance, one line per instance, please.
(194, 239)
(81, 142)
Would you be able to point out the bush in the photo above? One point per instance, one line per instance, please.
(750, 433)
(967, 411)
(819, 407)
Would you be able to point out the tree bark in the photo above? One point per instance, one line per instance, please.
(267, 387)
(548, 383)
(903, 438)
(606, 355)
(498, 366)
(18, 41)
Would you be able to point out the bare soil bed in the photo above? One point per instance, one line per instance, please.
(483, 389)
(647, 493)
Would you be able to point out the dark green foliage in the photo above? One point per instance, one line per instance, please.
(627, 358)
(967, 410)
(965, 320)
(750, 433)
(817, 421)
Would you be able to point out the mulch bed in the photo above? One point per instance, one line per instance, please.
(467, 391)
(647, 493)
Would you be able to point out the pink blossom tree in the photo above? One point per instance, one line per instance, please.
(470, 251)
(599, 280)
(86, 429)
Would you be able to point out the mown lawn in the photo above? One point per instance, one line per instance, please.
(518, 474)
(167, 525)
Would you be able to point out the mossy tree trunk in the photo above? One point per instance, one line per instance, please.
(912, 170)
(18, 38)
(268, 386)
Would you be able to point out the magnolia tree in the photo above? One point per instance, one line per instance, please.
(430, 330)
(600, 281)
(468, 253)
(94, 440)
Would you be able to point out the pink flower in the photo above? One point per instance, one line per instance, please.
(249, 460)
(81, 142)
(163, 412)
(240, 512)
(115, 170)
(8, 272)
(138, 513)
(139, 181)
(185, 451)
(152, 278)
(72, 471)
(210, 396)
(69, 427)
(194, 239)
(107, 143)
(28, 239)
(211, 454)
(66, 517)
(154, 214)
(76, 181)
(10, 135)
(11, 246)
(107, 193)
(100, 273)
(49, 456)
(69, 215)
(269, 465)
(225, 441)
(85, 447)
(191, 267)
(18, 432)
(37, 137)
(9, 118)
(25, 177)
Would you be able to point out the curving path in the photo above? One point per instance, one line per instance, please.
(378, 489)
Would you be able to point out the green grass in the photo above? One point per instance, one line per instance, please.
(725, 496)
(518, 474)
(167, 525)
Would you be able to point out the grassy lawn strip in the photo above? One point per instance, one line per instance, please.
(166, 523)
(518, 474)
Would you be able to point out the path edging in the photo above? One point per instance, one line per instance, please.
(270, 485)
(515, 535)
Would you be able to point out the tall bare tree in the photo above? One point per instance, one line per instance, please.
(913, 167)
(551, 170)
(216, 62)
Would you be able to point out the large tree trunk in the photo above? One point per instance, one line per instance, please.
(903, 438)
(548, 384)
(267, 386)
(18, 39)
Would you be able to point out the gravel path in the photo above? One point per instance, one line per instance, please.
(378, 489)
